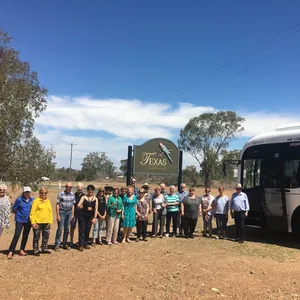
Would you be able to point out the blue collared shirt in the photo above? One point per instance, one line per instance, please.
(239, 202)
(182, 195)
(22, 209)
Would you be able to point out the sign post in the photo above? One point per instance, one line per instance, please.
(155, 157)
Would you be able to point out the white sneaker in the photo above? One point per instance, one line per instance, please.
(166, 235)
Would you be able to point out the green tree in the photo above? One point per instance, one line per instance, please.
(21, 100)
(205, 136)
(30, 162)
(97, 164)
(123, 167)
(229, 158)
(190, 175)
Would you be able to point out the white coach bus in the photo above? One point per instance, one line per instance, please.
(270, 174)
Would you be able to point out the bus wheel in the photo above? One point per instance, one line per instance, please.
(296, 225)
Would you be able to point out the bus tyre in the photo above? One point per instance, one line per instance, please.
(296, 225)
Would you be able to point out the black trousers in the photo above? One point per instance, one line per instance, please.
(18, 230)
(141, 227)
(85, 225)
(239, 220)
(189, 226)
(172, 216)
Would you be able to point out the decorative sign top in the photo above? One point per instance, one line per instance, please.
(156, 157)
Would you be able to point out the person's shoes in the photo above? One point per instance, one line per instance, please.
(109, 243)
(37, 253)
(204, 235)
(81, 248)
(191, 236)
(166, 235)
(87, 247)
(66, 247)
(145, 239)
(93, 244)
(137, 240)
(237, 240)
(46, 251)
(56, 248)
(210, 236)
(241, 241)
(23, 253)
(10, 255)
(153, 236)
(115, 242)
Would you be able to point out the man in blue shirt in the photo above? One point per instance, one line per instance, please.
(239, 207)
(64, 214)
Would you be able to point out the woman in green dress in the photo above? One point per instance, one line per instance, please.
(129, 213)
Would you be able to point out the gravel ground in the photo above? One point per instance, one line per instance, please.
(265, 267)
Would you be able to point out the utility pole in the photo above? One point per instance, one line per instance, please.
(71, 156)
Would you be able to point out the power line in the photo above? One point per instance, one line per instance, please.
(250, 69)
(71, 157)
(266, 45)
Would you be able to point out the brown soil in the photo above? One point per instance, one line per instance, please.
(265, 267)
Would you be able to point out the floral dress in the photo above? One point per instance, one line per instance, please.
(129, 211)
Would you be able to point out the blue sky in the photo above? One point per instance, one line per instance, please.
(118, 71)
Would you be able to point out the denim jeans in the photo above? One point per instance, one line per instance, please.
(65, 219)
(18, 230)
(98, 228)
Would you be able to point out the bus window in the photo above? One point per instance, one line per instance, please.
(292, 173)
(251, 173)
(272, 172)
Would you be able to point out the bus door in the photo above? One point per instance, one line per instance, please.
(274, 205)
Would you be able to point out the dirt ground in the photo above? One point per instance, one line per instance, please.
(267, 266)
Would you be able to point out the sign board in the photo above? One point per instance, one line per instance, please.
(156, 157)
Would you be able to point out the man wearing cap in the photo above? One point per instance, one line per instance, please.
(182, 193)
(133, 183)
(64, 214)
(239, 207)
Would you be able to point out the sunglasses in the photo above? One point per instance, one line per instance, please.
(43, 193)
(68, 187)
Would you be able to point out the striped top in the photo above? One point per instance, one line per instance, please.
(171, 200)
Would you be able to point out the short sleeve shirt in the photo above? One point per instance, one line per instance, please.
(191, 207)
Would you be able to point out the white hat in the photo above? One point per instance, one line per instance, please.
(239, 186)
(26, 189)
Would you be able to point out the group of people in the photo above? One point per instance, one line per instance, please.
(119, 210)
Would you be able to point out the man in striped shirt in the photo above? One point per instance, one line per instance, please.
(64, 214)
(172, 210)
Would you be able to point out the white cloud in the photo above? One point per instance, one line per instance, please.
(128, 122)
(131, 119)
(258, 122)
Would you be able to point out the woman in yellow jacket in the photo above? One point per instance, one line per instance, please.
(41, 217)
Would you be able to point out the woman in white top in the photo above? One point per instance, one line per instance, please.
(207, 207)
(222, 207)
(159, 212)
